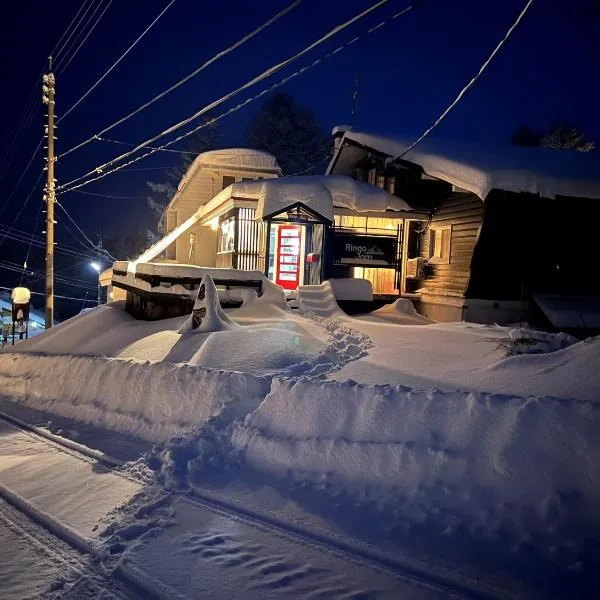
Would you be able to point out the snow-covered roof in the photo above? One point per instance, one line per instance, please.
(480, 169)
(235, 158)
(319, 193)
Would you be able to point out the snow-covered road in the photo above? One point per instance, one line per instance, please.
(223, 553)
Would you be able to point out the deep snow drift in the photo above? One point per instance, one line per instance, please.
(528, 465)
(440, 428)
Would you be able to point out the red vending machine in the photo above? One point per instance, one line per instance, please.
(288, 256)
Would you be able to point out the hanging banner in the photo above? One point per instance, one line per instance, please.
(364, 250)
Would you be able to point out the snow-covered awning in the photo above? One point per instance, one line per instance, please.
(480, 169)
(321, 193)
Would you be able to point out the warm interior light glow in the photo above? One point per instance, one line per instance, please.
(214, 223)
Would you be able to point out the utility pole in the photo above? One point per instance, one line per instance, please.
(49, 192)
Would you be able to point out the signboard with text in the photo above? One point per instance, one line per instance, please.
(365, 250)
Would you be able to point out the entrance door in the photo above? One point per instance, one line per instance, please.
(289, 239)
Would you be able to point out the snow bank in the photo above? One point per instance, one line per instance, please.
(155, 401)
(526, 465)
(352, 289)
(319, 300)
(542, 171)
(207, 314)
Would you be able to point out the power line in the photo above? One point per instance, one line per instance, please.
(110, 196)
(59, 49)
(103, 139)
(37, 219)
(66, 281)
(55, 295)
(29, 107)
(468, 86)
(24, 203)
(202, 67)
(25, 238)
(118, 60)
(62, 69)
(257, 79)
(125, 171)
(93, 246)
(14, 189)
(235, 108)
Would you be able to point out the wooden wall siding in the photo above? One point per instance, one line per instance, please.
(464, 215)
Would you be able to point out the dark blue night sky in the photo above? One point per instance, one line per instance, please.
(409, 71)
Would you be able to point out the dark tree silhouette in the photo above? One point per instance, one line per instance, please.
(561, 136)
(292, 134)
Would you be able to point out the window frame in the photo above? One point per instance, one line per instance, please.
(437, 232)
(223, 177)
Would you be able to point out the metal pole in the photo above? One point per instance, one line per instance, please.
(50, 193)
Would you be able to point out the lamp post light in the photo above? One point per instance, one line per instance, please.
(97, 267)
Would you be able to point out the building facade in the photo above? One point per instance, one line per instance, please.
(498, 243)
(210, 173)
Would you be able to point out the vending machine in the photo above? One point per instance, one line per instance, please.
(288, 256)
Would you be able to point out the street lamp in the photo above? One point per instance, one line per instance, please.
(97, 267)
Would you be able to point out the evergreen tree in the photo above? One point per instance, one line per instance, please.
(567, 137)
(292, 134)
(561, 136)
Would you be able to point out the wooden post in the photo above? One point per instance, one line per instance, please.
(50, 193)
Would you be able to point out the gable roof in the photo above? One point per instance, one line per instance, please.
(243, 159)
(481, 169)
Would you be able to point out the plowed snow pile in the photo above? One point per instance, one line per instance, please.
(499, 463)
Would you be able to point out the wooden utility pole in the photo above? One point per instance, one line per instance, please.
(49, 192)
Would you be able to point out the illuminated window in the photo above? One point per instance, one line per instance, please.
(226, 236)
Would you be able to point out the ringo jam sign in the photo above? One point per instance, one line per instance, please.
(364, 250)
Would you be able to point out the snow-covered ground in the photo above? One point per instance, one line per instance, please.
(423, 427)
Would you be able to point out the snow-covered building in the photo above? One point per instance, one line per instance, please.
(210, 173)
(293, 230)
(510, 233)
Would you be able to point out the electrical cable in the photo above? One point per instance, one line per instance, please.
(235, 108)
(106, 73)
(62, 69)
(55, 295)
(14, 189)
(103, 251)
(24, 203)
(257, 79)
(202, 67)
(37, 219)
(68, 50)
(467, 87)
(59, 49)
(103, 139)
